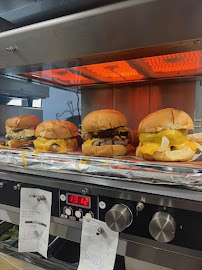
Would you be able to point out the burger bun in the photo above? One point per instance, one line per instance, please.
(102, 120)
(104, 150)
(56, 129)
(19, 143)
(20, 122)
(184, 154)
(168, 118)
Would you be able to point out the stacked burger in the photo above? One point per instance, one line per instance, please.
(20, 130)
(164, 136)
(57, 136)
(105, 133)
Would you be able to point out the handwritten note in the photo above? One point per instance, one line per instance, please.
(35, 212)
(98, 252)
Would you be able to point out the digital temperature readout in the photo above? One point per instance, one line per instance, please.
(82, 201)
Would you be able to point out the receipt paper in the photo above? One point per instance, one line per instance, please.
(35, 212)
(98, 252)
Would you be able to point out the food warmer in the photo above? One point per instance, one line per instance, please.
(136, 57)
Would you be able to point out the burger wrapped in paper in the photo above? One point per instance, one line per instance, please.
(20, 130)
(164, 136)
(57, 136)
(105, 133)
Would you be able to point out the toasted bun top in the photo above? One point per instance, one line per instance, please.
(26, 121)
(56, 129)
(103, 119)
(166, 119)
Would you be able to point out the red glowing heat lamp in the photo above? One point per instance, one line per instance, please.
(185, 61)
(82, 201)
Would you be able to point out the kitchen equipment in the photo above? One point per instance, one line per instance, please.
(137, 57)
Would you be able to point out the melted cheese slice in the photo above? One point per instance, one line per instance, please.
(90, 142)
(44, 145)
(23, 159)
(151, 142)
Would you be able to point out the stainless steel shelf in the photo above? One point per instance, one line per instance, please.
(171, 196)
(130, 29)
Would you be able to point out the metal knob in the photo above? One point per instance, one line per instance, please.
(17, 187)
(119, 217)
(85, 191)
(139, 206)
(162, 227)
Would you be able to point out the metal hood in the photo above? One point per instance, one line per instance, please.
(126, 31)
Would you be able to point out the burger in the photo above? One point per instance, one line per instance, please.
(104, 133)
(20, 130)
(57, 136)
(197, 137)
(164, 136)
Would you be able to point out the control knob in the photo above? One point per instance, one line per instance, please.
(162, 227)
(119, 217)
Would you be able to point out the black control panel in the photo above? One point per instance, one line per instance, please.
(75, 206)
(185, 226)
(10, 195)
(188, 224)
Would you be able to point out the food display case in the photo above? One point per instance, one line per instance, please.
(136, 57)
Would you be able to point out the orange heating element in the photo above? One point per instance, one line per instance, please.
(110, 72)
(175, 62)
(185, 63)
(60, 76)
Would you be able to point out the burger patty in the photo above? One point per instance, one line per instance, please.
(111, 141)
(108, 133)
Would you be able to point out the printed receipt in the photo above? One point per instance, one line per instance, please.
(98, 252)
(35, 212)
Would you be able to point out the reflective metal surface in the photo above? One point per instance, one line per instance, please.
(94, 100)
(119, 217)
(10, 263)
(29, 261)
(143, 99)
(137, 99)
(94, 28)
(5, 25)
(198, 107)
(133, 247)
(178, 94)
(155, 194)
(162, 227)
(18, 88)
(162, 255)
(23, 12)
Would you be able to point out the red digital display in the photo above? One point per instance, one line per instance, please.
(78, 200)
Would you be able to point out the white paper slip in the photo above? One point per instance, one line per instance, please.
(98, 246)
(35, 212)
